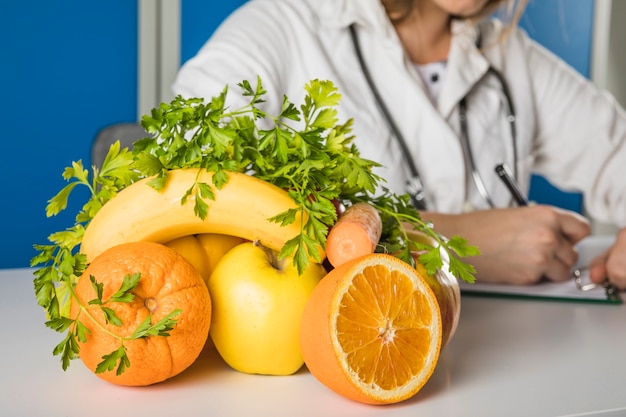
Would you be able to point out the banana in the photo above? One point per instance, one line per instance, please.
(241, 208)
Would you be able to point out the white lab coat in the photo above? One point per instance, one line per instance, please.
(567, 130)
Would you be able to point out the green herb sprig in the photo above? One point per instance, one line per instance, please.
(61, 265)
(400, 218)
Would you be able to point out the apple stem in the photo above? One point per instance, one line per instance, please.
(278, 264)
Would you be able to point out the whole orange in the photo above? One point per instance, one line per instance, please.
(167, 282)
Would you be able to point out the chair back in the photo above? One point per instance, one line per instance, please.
(126, 133)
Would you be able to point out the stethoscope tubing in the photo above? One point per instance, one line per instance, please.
(415, 186)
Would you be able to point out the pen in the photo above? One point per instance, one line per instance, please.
(505, 175)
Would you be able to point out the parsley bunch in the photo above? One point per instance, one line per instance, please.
(316, 162)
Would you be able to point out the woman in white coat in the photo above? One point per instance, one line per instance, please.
(432, 62)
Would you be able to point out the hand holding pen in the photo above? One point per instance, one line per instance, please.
(505, 175)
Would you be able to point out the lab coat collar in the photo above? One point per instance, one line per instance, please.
(466, 66)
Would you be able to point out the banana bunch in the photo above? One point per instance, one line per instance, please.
(241, 208)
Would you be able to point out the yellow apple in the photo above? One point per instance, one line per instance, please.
(257, 306)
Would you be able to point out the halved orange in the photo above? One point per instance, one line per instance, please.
(371, 330)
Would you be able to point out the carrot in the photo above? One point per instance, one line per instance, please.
(356, 233)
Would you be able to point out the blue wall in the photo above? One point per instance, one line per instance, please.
(70, 68)
(563, 26)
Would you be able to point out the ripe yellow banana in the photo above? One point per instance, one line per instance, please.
(241, 208)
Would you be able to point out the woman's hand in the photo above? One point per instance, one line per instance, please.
(520, 245)
(611, 264)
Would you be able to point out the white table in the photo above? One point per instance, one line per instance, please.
(509, 358)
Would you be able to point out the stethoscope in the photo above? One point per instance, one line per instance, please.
(414, 185)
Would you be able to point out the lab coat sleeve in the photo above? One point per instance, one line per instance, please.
(580, 141)
(245, 46)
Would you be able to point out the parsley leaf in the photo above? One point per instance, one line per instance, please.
(160, 328)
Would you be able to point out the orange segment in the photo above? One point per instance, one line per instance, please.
(371, 330)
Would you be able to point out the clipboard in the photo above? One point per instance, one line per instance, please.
(556, 291)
